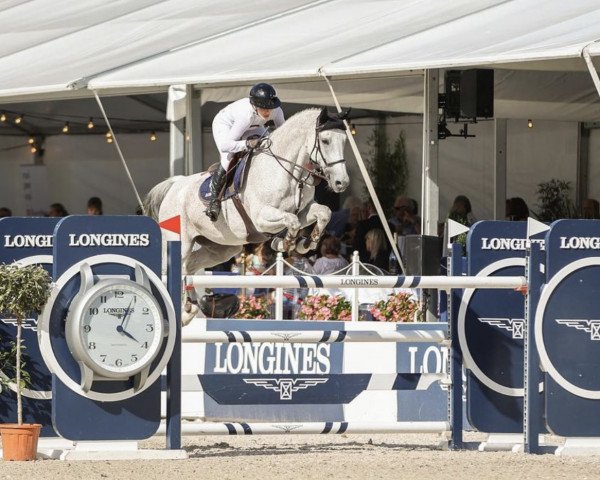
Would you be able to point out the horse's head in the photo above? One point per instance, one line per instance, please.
(328, 150)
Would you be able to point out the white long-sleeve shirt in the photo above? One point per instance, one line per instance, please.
(236, 122)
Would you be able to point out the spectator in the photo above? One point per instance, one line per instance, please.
(377, 249)
(362, 228)
(94, 206)
(516, 209)
(57, 210)
(461, 211)
(330, 260)
(405, 219)
(340, 218)
(5, 212)
(590, 209)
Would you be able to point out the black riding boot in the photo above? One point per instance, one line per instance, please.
(217, 182)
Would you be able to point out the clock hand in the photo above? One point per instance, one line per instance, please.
(127, 312)
(127, 334)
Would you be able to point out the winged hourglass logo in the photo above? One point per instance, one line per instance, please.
(285, 386)
(589, 326)
(513, 325)
(28, 323)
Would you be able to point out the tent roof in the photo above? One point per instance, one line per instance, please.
(49, 47)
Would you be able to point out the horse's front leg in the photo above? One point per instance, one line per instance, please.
(273, 220)
(320, 216)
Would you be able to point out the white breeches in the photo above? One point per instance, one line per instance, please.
(222, 137)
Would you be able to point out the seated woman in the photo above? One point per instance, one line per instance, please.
(331, 261)
(376, 245)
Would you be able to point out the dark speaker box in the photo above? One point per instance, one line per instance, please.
(469, 93)
(422, 255)
(452, 86)
(477, 93)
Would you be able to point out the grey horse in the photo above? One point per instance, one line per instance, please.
(278, 194)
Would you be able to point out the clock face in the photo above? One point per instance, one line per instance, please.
(121, 328)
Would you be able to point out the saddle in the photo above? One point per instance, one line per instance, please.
(234, 179)
(237, 171)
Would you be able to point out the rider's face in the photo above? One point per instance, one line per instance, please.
(264, 113)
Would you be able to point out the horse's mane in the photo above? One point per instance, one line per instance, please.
(301, 121)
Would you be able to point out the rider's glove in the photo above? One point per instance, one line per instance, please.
(253, 143)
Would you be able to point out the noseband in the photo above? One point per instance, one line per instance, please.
(317, 148)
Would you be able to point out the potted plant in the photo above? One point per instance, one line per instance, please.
(24, 290)
(399, 307)
(252, 307)
(325, 307)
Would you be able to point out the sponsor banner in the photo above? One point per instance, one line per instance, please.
(28, 241)
(567, 328)
(108, 239)
(313, 382)
(491, 328)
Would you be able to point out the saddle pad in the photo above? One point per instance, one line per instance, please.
(232, 188)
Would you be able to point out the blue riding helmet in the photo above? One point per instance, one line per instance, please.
(263, 95)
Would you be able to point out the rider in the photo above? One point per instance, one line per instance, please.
(240, 126)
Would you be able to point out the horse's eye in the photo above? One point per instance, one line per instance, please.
(325, 141)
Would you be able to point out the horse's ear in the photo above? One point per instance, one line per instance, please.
(323, 116)
(344, 115)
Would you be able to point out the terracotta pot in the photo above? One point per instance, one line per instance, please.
(19, 442)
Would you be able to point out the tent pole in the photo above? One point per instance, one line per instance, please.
(367, 179)
(193, 131)
(591, 68)
(430, 193)
(115, 141)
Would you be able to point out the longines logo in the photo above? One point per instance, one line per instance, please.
(273, 358)
(27, 241)
(514, 325)
(589, 326)
(27, 324)
(579, 243)
(508, 243)
(285, 386)
(109, 240)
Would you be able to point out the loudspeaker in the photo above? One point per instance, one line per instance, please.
(469, 93)
(452, 85)
(477, 93)
(422, 254)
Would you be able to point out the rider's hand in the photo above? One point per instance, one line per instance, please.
(253, 143)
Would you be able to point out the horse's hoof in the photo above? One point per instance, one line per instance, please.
(302, 247)
(189, 311)
(278, 245)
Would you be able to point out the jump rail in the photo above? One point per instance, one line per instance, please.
(310, 428)
(361, 281)
(318, 336)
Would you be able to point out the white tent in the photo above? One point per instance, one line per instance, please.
(375, 51)
(57, 48)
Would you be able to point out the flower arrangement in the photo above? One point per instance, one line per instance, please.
(399, 307)
(325, 307)
(253, 307)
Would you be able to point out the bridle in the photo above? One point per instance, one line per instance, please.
(310, 171)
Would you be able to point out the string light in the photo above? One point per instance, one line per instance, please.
(65, 129)
(108, 135)
(90, 124)
(353, 129)
(109, 140)
(31, 140)
(18, 119)
(530, 123)
(33, 149)
(2, 117)
(153, 136)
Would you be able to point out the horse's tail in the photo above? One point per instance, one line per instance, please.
(157, 195)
